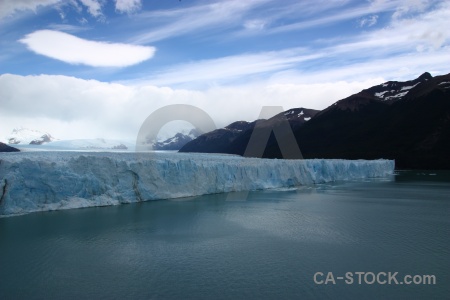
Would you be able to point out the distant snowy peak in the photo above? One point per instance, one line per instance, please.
(25, 136)
(177, 141)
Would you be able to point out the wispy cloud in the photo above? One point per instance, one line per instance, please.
(67, 28)
(297, 67)
(423, 39)
(405, 8)
(368, 21)
(202, 17)
(230, 68)
(73, 50)
(310, 14)
(347, 14)
(390, 68)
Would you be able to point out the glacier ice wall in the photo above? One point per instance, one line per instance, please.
(40, 181)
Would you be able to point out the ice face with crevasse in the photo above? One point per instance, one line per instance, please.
(41, 181)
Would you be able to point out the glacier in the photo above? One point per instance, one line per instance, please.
(43, 181)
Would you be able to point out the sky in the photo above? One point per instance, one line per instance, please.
(99, 68)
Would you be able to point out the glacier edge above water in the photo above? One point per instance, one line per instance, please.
(42, 181)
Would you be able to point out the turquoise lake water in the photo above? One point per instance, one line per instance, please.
(268, 245)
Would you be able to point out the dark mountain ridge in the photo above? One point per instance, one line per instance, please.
(219, 140)
(234, 138)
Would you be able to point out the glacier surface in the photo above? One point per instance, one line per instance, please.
(41, 181)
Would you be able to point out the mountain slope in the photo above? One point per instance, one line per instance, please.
(6, 148)
(406, 121)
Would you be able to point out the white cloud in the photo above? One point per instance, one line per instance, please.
(73, 50)
(429, 28)
(424, 31)
(128, 6)
(75, 108)
(10, 7)
(94, 7)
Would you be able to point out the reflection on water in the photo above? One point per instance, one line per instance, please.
(268, 245)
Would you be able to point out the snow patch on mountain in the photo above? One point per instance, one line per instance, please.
(409, 87)
(399, 95)
(393, 94)
(380, 94)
